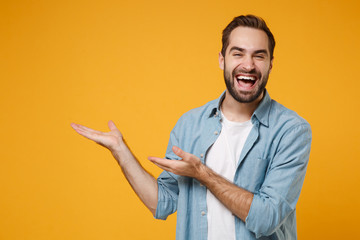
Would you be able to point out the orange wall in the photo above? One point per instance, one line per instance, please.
(142, 64)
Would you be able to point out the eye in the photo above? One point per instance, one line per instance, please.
(237, 54)
(259, 56)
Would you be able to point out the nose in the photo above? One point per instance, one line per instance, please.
(247, 64)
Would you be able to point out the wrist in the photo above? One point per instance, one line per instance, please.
(204, 174)
(121, 152)
(117, 148)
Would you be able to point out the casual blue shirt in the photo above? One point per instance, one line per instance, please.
(272, 165)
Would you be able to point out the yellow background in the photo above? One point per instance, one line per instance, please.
(143, 64)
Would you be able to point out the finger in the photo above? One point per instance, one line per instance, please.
(164, 162)
(112, 126)
(87, 134)
(76, 127)
(179, 152)
(161, 163)
(163, 167)
(83, 128)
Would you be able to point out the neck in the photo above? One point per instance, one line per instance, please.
(236, 111)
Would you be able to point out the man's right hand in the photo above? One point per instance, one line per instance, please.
(143, 183)
(111, 140)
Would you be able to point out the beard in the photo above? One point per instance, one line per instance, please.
(245, 96)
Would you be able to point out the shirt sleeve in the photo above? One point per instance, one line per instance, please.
(168, 190)
(277, 197)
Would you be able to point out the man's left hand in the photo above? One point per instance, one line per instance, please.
(189, 165)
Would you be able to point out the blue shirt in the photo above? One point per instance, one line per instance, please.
(272, 165)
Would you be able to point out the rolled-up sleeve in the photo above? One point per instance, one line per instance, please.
(279, 193)
(167, 195)
(168, 190)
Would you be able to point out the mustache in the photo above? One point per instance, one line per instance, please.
(253, 71)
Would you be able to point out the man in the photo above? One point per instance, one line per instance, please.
(241, 159)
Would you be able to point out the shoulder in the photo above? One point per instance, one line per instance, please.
(283, 114)
(199, 114)
(286, 120)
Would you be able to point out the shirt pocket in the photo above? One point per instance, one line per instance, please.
(252, 173)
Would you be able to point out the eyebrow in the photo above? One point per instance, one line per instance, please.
(243, 50)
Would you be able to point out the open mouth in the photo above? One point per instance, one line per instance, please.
(246, 81)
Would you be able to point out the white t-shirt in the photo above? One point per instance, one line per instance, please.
(223, 157)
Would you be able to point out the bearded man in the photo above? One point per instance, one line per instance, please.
(234, 167)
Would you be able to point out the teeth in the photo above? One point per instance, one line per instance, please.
(246, 78)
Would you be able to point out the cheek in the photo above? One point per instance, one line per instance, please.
(228, 71)
(229, 67)
(264, 67)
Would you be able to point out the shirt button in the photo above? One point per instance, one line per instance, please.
(201, 155)
(216, 132)
(203, 213)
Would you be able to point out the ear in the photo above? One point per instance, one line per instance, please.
(221, 61)
(271, 63)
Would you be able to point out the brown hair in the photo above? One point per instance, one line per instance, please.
(251, 21)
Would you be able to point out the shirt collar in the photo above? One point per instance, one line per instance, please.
(261, 113)
(215, 110)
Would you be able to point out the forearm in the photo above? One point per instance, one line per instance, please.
(144, 185)
(142, 182)
(236, 199)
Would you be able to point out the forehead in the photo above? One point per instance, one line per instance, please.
(250, 39)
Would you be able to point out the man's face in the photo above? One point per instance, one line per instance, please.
(246, 64)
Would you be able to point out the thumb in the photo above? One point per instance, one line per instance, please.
(112, 126)
(179, 152)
